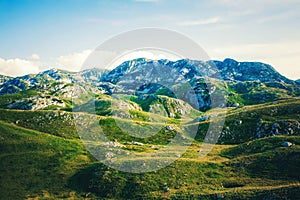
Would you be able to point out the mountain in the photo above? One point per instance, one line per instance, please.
(249, 71)
(44, 154)
(40, 80)
(229, 70)
(50, 89)
(241, 83)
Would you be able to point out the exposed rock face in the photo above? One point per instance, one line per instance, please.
(89, 75)
(282, 127)
(36, 103)
(234, 132)
(164, 106)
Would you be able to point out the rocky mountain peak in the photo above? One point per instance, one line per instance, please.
(229, 70)
(249, 71)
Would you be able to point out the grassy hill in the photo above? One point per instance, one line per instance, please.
(43, 158)
(35, 163)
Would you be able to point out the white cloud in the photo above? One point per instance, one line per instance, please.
(72, 62)
(35, 56)
(18, 67)
(78, 61)
(212, 20)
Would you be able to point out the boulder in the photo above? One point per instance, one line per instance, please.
(236, 105)
(169, 128)
(137, 143)
(166, 189)
(238, 122)
(287, 144)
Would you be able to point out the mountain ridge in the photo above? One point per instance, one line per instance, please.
(228, 70)
(244, 83)
(228, 61)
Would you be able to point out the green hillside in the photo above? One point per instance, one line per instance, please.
(42, 158)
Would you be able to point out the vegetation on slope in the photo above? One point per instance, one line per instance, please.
(42, 157)
(34, 164)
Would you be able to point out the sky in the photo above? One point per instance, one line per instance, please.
(37, 35)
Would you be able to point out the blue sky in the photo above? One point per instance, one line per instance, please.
(39, 34)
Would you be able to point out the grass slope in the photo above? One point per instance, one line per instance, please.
(36, 165)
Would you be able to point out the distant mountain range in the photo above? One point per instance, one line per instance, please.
(244, 83)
